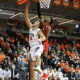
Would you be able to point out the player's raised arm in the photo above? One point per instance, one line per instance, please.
(39, 13)
(29, 24)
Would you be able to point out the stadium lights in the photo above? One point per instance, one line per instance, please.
(0, 9)
(15, 14)
(66, 22)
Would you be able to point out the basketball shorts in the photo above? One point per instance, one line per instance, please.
(45, 46)
(34, 51)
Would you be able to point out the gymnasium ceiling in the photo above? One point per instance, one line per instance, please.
(60, 13)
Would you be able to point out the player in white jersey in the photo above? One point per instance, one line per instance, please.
(35, 40)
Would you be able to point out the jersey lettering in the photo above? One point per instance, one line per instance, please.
(30, 37)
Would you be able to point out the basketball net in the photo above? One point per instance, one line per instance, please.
(44, 4)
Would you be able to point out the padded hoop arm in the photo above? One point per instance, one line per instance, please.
(38, 10)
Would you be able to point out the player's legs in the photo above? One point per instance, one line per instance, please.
(32, 72)
(38, 52)
(35, 54)
(38, 59)
(45, 53)
(32, 64)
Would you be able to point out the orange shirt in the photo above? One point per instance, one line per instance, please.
(68, 53)
(61, 47)
(55, 43)
(67, 69)
(3, 56)
(62, 64)
(77, 45)
(12, 40)
(1, 59)
(3, 44)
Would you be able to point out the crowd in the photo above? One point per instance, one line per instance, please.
(63, 58)
(14, 61)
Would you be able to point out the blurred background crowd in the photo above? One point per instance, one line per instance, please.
(63, 60)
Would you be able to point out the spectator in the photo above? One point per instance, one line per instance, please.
(77, 68)
(22, 69)
(50, 74)
(67, 70)
(7, 73)
(14, 73)
(4, 63)
(60, 75)
(15, 62)
(78, 75)
(76, 63)
(72, 75)
(1, 73)
(55, 74)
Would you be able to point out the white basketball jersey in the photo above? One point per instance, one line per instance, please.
(33, 34)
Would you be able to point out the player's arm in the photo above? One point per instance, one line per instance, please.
(29, 24)
(42, 36)
(48, 30)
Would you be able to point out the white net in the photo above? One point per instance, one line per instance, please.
(44, 3)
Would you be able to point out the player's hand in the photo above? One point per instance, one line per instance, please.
(28, 3)
(41, 19)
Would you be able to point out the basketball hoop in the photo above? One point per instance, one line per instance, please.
(44, 4)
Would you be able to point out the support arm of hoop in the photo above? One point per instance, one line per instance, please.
(39, 10)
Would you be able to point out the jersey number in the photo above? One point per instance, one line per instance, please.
(30, 37)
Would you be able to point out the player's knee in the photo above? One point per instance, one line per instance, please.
(37, 56)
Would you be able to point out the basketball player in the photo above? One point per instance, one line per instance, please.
(46, 31)
(35, 40)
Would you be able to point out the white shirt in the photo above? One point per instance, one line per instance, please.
(33, 34)
(7, 73)
(60, 75)
(1, 72)
(55, 74)
(50, 74)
